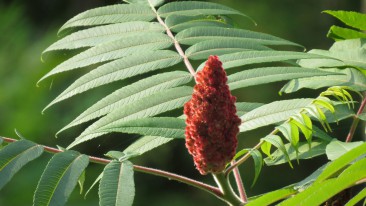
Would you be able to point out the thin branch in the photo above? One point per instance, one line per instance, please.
(176, 43)
(239, 184)
(355, 121)
(171, 176)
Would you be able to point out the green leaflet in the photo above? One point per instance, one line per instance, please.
(342, 111)
(272, 197)
(117, 187)
(111, 51)
(338, 33)
(153, 3)
(170, 127)
(145, 144)
(341, 162)
(178, 23)
(318, 193)
(352, 78)
(320, 63)
(291, 133)
(256, 57)
(114, 154)
(361, 195)
(304, 152)
(257, 158)
(245, 107)
(266, 75)
(60, 178)
(198, 34)
(277, 142)
(258, 163)
(204, 49)
(194, 8)
(272, 113)
(336, 148)
(145, 107)
(14, 156)
(101, 34)
(350, 52)
(131, 93)
(109, 15)
(350, 18)
(118, 70)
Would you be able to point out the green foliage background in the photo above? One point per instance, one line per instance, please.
(27, 28)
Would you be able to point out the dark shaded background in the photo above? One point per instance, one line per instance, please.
(28, 27)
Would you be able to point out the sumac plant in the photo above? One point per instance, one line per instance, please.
(191, 54)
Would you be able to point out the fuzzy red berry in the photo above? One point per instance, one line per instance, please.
(212, 124)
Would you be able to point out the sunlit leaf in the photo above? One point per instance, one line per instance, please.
(319, 193)
(272, 113)
(194, 8)
(255, 57)
(109, 14)
(178, 23)
(277, 142)
(203, 50)
(341, 162)
(258, 162)
(336, 148)
(352, 78)
(350, 18)
(338, 33)
(267, 75)
(102, 34)
(304, 152)
(272, 197)
(198, 34)
(357, 198)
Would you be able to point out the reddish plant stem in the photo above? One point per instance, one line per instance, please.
(355, 121)
(171, 176)
(176, 43)
(239, 184)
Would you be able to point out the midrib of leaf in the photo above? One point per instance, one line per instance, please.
(176, 43)
(118, 185)
(17, 156)
(58, 181)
